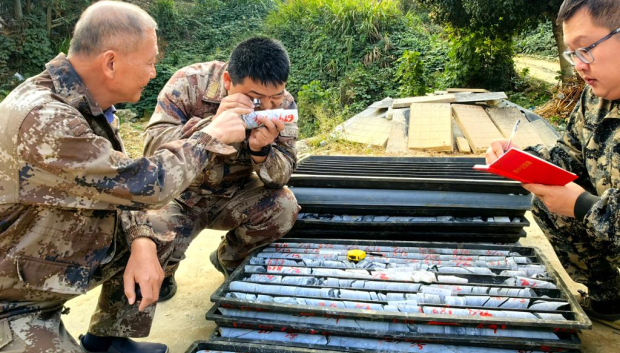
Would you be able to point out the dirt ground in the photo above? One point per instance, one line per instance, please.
(181, 320)
(544, 70)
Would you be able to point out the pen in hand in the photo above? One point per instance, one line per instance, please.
(514, 130)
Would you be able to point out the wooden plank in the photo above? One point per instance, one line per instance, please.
(370, 112)
(547, 134)
(430, 127)
(397, 141)
(382, 104)
(456, 130)
(505, 119)
(462, 145)
(406, 102)
(476, 126)
(479, 97)
(450, 98)
(472, 90)
(370, 129)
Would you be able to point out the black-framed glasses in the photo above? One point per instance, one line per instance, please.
(585, 54)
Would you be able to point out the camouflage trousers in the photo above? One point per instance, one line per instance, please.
(589, 260)
(39, 327)
(254, 216)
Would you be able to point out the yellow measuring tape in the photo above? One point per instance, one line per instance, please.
(356, 255)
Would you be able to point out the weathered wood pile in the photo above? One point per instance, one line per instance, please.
(463, 120)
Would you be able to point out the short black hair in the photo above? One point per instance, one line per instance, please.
(262, 59)
(605, 13)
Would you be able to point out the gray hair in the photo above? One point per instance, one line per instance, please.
(604, 13)
(110, 25)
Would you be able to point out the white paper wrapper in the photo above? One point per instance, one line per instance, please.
(285, 115)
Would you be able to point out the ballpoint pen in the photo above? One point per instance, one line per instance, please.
(514, 130)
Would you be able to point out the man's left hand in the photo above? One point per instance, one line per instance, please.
(558, 199)
(143, 269)
(266, 134)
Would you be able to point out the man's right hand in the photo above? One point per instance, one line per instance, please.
(228, 126)
(497, 148)
(143, 269)
(234, 101)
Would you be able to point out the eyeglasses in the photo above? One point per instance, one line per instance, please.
(585, 54)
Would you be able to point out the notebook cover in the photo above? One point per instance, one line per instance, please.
(524, 167)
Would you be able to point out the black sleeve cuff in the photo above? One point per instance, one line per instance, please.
(584, 203)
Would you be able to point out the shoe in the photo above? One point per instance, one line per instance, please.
(609, 320)
(217, 263)
(126, 345)
(168, 289)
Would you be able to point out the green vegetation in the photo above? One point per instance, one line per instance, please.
(27, 41)
(538, 42)
(345, 54)
(481, 33)
(530, 93)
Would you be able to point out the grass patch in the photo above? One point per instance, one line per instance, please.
(131, 133)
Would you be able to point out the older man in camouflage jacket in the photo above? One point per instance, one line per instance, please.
(582, 219)
(244, 192)
(67, 190)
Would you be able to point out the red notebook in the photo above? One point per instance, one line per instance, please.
(524, 167)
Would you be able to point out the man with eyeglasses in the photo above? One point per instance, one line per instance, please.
(242, 192)
(582, 219)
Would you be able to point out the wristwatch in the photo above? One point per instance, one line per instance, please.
(262, 153)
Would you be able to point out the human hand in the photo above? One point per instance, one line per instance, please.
(266, 134)
(144, 269)
(496, 150)
(228, 127)
(558, 199)
(234, 101)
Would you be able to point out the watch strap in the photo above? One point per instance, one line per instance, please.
(262, 153)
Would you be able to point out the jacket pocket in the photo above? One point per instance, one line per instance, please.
(50, 276)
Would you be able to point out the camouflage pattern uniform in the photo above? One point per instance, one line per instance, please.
(590, 147)
(249, 200)
(70, 202)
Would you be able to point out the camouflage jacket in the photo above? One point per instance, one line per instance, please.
(590, 148)
(188, 102)
(63, 181)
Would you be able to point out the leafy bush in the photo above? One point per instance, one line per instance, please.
(33, 47)
(26, 45)
(529, 93)
(479, 61)
(320, 109)
(351, 47)
(165, 14)
(7, 49)
(411, 75)
(538, 41)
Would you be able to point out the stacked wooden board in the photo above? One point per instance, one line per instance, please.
(464, 120)
(403, 297)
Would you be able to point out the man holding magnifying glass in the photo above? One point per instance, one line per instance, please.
(243, 192)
